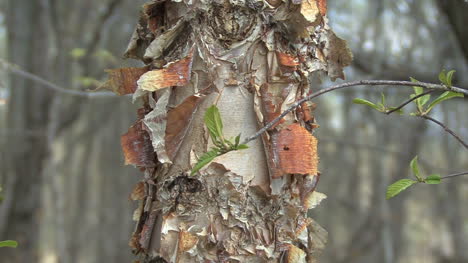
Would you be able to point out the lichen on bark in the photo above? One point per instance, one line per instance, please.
(252, 58)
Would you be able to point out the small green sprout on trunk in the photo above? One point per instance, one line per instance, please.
(221, 146)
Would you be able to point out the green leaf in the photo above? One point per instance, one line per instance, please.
(8, 243)
(78, 53)
(443, 77)
(213, 122)
(368, 103)
(398, 186)
(237, 140)
(415, 167)
(433, 179)
(421, 101)
(417, 90)
(445, 96)
(242, 147)
(449, 77)
(205, 159)
(424, 99)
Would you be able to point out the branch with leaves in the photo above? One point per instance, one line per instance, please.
(400, 185)
(420, 98)
(389, 83)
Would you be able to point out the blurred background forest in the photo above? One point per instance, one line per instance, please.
(66, 189)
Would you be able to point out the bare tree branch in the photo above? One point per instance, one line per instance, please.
(14, 69)
(389, 83)
(453, 175)
(446, 129)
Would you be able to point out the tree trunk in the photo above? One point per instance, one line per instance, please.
(28, 110)
(456, 16)
(252, 59)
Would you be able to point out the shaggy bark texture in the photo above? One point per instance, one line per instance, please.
(252, 59)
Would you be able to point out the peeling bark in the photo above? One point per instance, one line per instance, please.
(253, 59)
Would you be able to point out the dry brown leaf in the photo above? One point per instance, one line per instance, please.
(174, 74)
(137, 147)
(123, 81)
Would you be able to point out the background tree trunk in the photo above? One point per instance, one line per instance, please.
(28, 111)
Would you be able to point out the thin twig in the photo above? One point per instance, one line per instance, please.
(453, 175)
(389, 83)
(409, 101)
(49, 85)
(446, 129)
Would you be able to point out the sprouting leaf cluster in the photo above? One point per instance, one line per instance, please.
(421, 102)
(221, 146)
(380, 106)
(400, 185)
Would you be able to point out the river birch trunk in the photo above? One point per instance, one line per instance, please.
(253, 59)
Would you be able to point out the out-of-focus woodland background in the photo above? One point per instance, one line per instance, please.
(61, 168)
